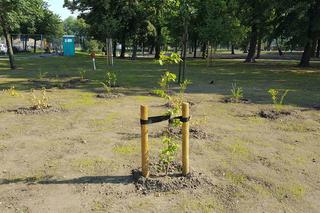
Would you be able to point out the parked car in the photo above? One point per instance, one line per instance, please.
(3, 49)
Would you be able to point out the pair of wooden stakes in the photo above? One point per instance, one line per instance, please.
(185, 139)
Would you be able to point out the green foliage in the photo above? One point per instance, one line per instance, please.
(93, 46)
(124, 149)
(170, 147)
(110, 81)
(236, 92)
(184, 85)
(164, 83)
(169, 58)
(277, 98)
(41, 74)
(168, 153)
(82, 74)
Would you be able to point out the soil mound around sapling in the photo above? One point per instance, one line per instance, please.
(195, 133)
(72, 84)
(41, 83)
(110, 95)
(236, 101)
(273, 114)
(78, 81)
(35, 111)
(174, 181)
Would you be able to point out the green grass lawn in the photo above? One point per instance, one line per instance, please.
(83, 151)
(255, 79)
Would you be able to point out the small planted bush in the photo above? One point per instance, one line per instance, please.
(82, 74)
(168, 153)
(39, 102)
(41, 75)
(169, 149)
(278, 97)
(109, 82)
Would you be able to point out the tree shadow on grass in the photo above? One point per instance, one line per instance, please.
(47, 180)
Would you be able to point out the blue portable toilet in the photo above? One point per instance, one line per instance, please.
(68, 45)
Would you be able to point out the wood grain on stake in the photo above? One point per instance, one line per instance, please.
(185, 139)
(144, 142)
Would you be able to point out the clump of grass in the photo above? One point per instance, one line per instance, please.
(124, 149)
(239, 149)
(236, 178)
(2, 147)
(99, 206)
(41, 75)
(39, 101)
(295, 191)
(92, 165)
(11, 91)
(236, 92)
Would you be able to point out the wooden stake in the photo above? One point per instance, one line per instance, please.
(144, 142)
(185, 139)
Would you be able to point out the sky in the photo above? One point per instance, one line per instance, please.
(57, 7)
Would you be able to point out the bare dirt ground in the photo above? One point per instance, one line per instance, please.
(80, 159)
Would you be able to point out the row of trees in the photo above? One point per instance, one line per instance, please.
(30, 17)
(244, 24)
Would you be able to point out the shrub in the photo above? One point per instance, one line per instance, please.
(278, 98)
(110, 81)
(39, 102)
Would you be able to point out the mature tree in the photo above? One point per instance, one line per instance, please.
(107, 18)
(77, 27)
(297, 23)
(159, 12)
(255, 14)
(313, 31)
(28, 17)
(11, 14)
(50, 26)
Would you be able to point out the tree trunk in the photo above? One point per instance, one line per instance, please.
(195, 47)
(35, 45)
(314, 46)
(204, 50)
(232, 49)
(114, 51)
(185, 43)
(269, 45)
(9, 46)
(313, 21)
(25, 44)
(279, 48)
(158, 43)
(123, 49)
(142, 49)
(253, 44)
(134, 51)
(318, 49)
(151, 48)
(306, 56)
(259, 48)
